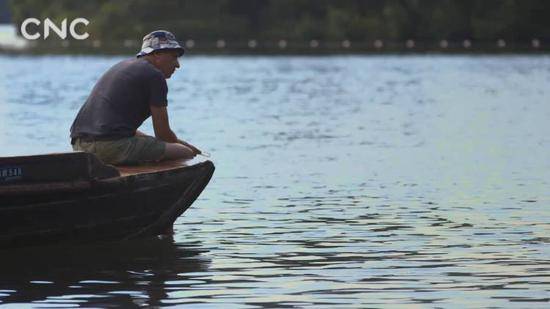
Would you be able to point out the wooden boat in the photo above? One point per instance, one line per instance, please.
(75, 198)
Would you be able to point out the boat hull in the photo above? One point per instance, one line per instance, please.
(116, 208)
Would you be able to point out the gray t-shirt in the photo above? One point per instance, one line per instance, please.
(120, 101)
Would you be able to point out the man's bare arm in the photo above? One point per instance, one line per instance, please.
(161, 125)
(162, 128)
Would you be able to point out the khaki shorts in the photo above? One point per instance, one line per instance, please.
(130, 150)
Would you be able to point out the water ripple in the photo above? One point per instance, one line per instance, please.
(341, 182)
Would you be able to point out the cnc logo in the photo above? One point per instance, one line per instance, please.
(49, 25)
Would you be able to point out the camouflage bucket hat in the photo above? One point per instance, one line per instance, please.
(158, 40)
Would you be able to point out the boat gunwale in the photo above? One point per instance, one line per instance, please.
(125, 173)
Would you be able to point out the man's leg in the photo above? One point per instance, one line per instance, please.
(177, 151)
(150, 149)
(138, 150)
(144, 149)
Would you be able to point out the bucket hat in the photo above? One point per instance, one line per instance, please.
(159, 40)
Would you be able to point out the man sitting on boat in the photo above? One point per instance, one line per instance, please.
(126, 95)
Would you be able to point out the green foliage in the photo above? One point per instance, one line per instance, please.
(301, 19)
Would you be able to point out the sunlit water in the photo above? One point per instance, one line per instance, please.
(340, 182)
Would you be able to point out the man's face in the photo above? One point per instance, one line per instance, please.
(167, 62)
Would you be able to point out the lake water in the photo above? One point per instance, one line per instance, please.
(341, 182)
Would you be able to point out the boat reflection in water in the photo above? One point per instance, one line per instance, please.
(131, 273)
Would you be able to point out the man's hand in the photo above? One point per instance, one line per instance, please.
(196, 151)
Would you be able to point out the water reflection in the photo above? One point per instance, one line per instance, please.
(127, 273)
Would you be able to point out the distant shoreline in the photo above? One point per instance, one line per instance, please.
(283, 47)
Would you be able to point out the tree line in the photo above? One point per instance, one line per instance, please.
(325, 20)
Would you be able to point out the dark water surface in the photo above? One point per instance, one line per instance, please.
(341, 182)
